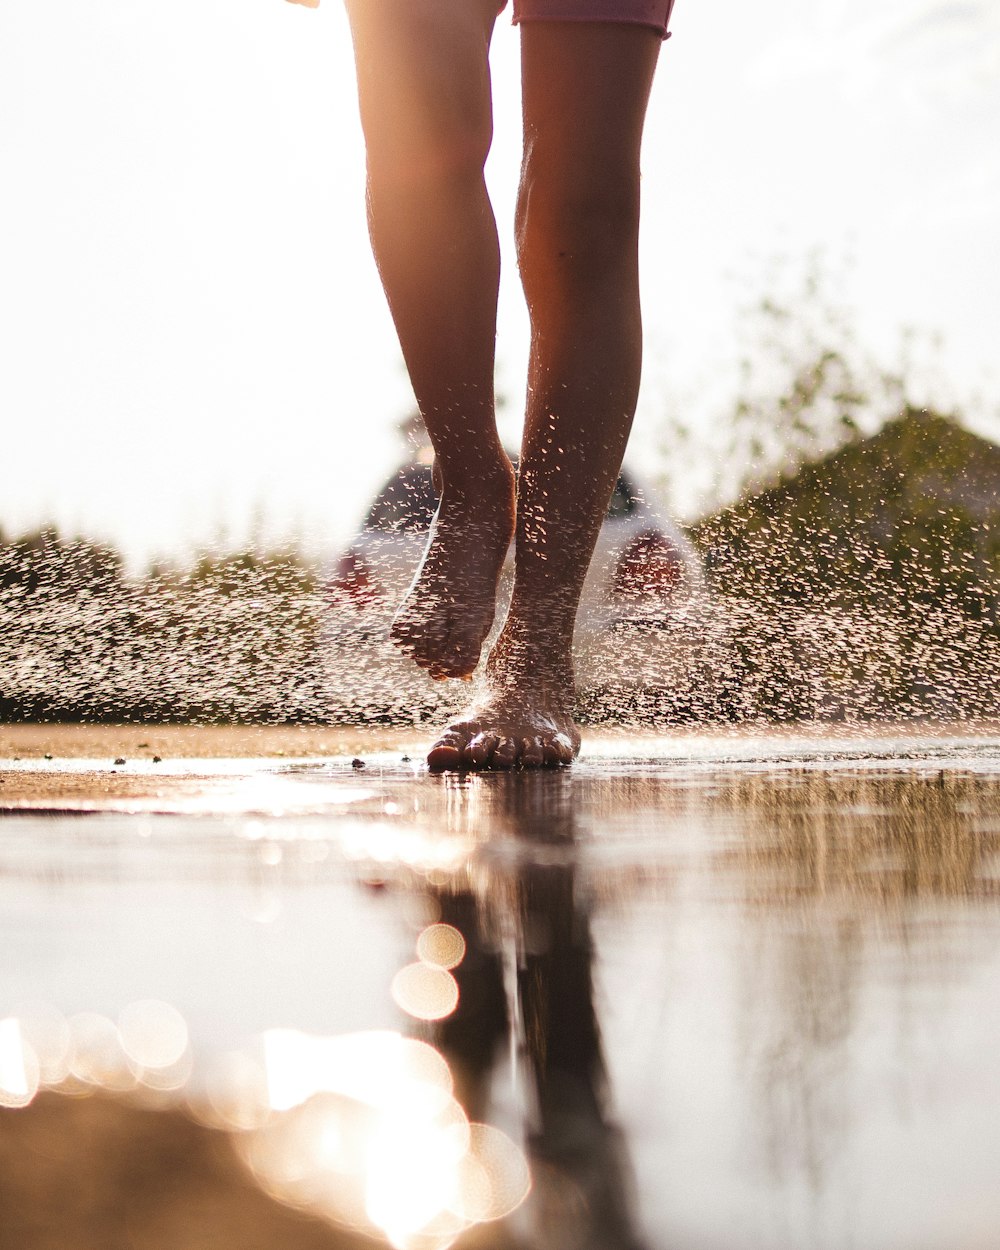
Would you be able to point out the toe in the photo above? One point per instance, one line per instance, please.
(434, 655)
(532, 752)
(564, 748)
(504, 754)
(446, 754)
(477, 753)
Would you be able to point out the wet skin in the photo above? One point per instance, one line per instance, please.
(450, 607)
(523, 716)
(426, 110)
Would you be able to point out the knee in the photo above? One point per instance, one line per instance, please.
(429, 145)
(424, 92)
(579, 222)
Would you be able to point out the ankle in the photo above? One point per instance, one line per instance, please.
(533, 649)
(545, 615)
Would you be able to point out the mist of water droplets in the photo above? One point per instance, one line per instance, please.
(260, 645)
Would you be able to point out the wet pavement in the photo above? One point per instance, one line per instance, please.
(697, 991)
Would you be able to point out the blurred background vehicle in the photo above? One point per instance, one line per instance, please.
(645, 632)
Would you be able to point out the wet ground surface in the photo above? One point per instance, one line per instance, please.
(697, 991)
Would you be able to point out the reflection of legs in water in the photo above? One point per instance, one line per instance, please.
(424, 87)
(583, 1181)
(582, 1184)
(471, 1038)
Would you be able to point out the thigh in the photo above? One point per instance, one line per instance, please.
(423, 70)
(585, 91)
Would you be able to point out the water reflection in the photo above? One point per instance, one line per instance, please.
(888, 839)
(775, 973)
(824, 934)
(527, 975)
(421, 1138)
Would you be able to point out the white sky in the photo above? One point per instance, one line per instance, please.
(191, 327)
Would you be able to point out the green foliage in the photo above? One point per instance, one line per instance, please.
(911, 514)
(868, 584)
(234, 636)
(238, 573)
(860, 562)
(43, 558)
(806, 387)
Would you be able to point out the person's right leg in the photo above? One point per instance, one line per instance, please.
(424, 90)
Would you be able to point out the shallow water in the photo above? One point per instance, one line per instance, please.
(716, 991)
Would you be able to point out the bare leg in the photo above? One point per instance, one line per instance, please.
(586, 88)
(424, 89)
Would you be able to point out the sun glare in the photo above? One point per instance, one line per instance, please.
(366, 1131)
(18, 1066)
(362, 1129)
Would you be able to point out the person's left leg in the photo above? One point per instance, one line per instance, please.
(426, 109)
(586, 86)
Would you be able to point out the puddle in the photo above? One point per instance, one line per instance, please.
(709, 991)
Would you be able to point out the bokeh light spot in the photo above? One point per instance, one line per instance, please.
(232, 1094)
(96, 1056)
(500, 1164)
(441, 946)
(45, 1027)
(365, 1131)
(154, 1035)
(424, 992)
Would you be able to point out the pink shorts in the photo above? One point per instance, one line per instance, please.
(654, 13)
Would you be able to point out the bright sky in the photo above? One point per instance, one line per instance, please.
(192, 329)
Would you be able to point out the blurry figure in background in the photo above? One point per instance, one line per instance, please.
(426, 110)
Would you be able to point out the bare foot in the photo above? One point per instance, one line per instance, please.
(523, 718)
(449, 608)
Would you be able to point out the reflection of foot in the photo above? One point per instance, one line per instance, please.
(449, 609)
(524, 718)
